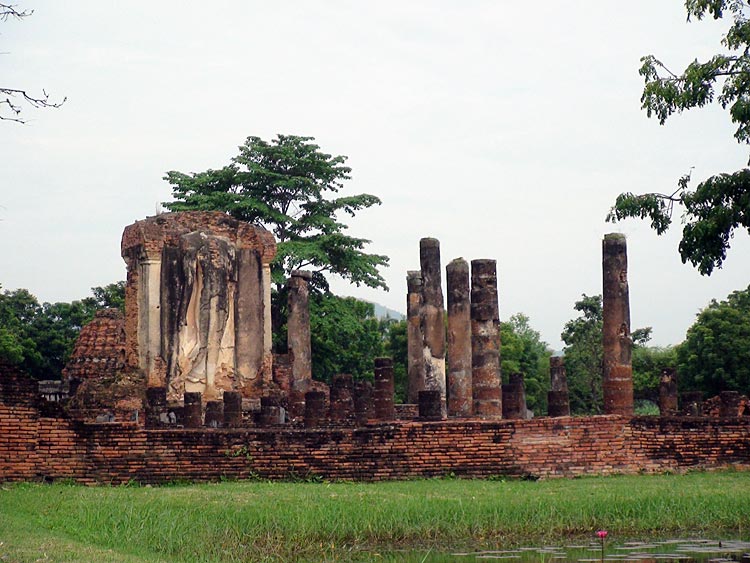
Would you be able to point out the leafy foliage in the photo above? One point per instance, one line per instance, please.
(346, 336)
(715, 355)
(523, 351)
(40, 337)
(283, 185)
(109, 296)
(721, 204)
(583, 355)
(648, 363)
(396, 346)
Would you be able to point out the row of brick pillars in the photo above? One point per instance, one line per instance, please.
(472, 381)
(473, 341)
(225, 413)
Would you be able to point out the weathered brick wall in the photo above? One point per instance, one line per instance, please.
(34, 447)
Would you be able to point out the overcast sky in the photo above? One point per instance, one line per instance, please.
(504, 129)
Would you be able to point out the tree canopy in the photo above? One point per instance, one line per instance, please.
(583, 355)
(720, 204)
(523, 351)
(715, 355)
(284, 186)
(40, 336)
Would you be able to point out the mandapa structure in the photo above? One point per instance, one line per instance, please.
(198, 303)
(185, 384)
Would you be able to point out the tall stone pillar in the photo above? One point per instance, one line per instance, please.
(383, 389)
(267, 325)
(433, 321)
(668, 392)
(558, 401)
(485, 339)
(414, 337)
(298, 328)
(617, 370)
(149, 327)
(249, 322)
(459, 339)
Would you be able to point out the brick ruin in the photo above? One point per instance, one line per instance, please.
(185, 384)
(198, 302)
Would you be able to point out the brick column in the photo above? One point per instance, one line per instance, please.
(192, 412)
(232, 409)
(342, 402)
(459, 339)
(433, 321)
(617, 371)
(315, 409)
(414, 336)
(514, 397)
(383, 389)
(430, 405)
(362, 401)
(156, 405)
(214, 414)
(558, 401)
(271, 412)
(485, 339)
(668, 392)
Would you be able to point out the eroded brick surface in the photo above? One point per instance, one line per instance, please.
(35, 447)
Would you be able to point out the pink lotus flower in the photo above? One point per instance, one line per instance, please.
(602, 534)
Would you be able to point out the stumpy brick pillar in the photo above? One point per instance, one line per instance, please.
(617, 370)
(558, 403)
(485, 339)
(433, 321)
(298, 328)
(414, 338)
(382, 393)
(668, 392)
(459, 339)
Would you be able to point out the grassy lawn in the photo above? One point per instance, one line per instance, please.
(264, 521)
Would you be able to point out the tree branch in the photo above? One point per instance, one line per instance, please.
(10, 11)
(16, 108)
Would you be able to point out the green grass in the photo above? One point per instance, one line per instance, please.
(261, 521)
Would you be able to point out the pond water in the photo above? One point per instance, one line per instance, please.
(677, 551)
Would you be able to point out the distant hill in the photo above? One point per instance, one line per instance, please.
(383, 312)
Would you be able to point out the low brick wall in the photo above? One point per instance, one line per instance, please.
(38, 447)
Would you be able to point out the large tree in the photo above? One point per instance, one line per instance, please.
(12, 106)
(715, 355)
(720, 204)
(285, 186)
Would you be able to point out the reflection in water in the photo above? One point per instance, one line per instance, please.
(683, 551)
